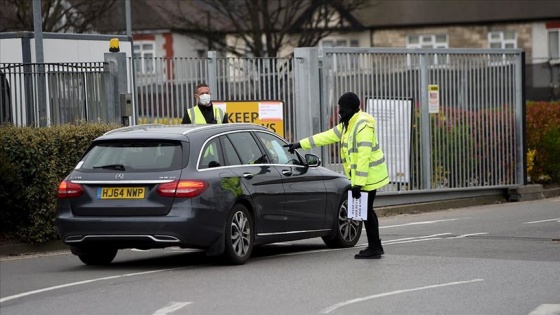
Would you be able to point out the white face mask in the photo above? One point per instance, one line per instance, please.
(204, 99)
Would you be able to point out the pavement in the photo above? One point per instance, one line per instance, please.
(11, 249)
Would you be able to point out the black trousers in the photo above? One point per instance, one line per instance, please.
(372, 224)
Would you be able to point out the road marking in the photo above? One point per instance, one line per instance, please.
(467, 235)
(546, 309)
(557, 219)
(415, 238)
(172, 307)
(56, 287)
(416, 223)
(342, 304)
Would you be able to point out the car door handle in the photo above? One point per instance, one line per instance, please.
(248, 175)
(287, 172)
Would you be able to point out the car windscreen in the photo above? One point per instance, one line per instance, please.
(133, 155)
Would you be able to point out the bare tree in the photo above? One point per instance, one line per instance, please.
(74, 16)
(262, 27)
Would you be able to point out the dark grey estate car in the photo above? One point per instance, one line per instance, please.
(221, 188)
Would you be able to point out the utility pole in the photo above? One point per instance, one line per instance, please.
(39, 60)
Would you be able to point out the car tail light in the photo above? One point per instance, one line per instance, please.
(182, 188)
(68, 189)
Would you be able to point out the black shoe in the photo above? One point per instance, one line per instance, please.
(368, 253)
(367, 248)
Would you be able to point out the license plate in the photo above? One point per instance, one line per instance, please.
(121, 192)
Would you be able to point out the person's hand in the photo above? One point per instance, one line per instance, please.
(292, 146)
(356, 192)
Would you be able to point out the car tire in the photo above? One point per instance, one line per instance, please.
(347, 232)
(95, 256)
(239, 236)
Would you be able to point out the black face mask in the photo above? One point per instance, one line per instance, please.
(346, 113)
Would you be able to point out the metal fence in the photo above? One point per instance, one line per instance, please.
(166, 90)
(448, 120)
(52, 93)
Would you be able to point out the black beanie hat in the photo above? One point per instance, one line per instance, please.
(349, 100)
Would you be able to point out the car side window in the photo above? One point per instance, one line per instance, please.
(278, 153)
(247, 148)
(211, 155)
(229, 152)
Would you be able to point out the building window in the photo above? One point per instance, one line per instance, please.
(427, 41)
(507, 39)
(340, 43)
(435, 41)
(144, 56)
(554, 44)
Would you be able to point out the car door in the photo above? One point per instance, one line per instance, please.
(263, 182)
(305, 192)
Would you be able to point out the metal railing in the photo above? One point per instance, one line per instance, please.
(52, 93)
(449, 121)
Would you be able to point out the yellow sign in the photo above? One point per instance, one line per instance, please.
(266, 113)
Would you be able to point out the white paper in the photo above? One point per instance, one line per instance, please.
(270, 110)
(357, 208)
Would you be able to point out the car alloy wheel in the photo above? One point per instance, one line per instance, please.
(239, 235)
(347, 231)
(350, 230)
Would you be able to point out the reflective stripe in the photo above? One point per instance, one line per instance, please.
(363, 174)
(219, 114)
(355, 134)
(364, 144)
(311, 141)
(192, 115)
(337, 132)
(375, 163)
(371, 164)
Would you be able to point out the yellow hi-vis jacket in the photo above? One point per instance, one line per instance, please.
(197, 117)
(363, 159)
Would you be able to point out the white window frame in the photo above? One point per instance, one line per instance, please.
(499, 38)
(141, 49)
(554, 55)
(429, 41)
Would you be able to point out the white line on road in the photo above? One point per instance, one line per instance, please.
(172, 307)
(17, 296)
(416, 223)
(339, 305)
(546, 309)
(467, 235)
(557, 219)
(415, 238)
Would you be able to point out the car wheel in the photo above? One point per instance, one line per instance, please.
(239, 236)
(347, 231)
(95, 256)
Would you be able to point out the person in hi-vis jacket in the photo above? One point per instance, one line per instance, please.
(204, 112)
(363, 160)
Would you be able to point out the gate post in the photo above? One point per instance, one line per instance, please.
(425, 137)
(213, 73)
(119, 107)
(307, 94)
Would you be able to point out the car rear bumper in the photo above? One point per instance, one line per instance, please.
(140, 232)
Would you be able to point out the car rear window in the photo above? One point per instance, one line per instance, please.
(133, 156)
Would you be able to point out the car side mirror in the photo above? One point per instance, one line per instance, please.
(312, 160)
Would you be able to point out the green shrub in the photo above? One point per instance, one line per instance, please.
(33, 161)
(543, 141)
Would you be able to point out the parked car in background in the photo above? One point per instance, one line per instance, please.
(221, 188)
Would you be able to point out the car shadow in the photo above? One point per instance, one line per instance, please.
(196, 258)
